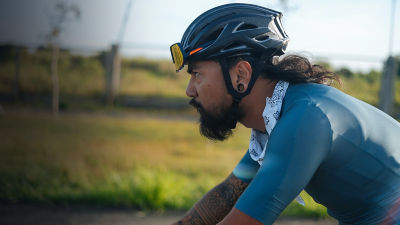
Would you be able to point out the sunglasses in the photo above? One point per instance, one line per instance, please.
(179, 56)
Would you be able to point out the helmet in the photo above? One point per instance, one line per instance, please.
(231, 30)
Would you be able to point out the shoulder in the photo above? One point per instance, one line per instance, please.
(314, 102)
(305, 113)
(304, 118)
(308, 106)
(307, 102)
(312, 93)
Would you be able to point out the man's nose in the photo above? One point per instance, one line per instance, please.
(191, 90)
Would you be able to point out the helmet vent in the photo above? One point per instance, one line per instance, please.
(232, 46)
(246, 26)
(212, 37)
(262, 37)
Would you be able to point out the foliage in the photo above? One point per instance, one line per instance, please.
(364, 86)
(398, 65)
(144, 77)
(78, 75)
(160, 68)
(84, 76)
(7, 53)
(135, 161)
(63, 12)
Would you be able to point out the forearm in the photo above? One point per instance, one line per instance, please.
(216, 204)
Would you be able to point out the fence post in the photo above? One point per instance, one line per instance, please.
(113, 65)
(54, 77)
(17, 72)
(386, 93)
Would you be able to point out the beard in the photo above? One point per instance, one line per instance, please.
(217, 127)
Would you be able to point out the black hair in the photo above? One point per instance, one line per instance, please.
(294, 69)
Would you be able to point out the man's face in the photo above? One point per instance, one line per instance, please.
(211, 99)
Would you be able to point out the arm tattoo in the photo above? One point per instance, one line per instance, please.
(216, 204)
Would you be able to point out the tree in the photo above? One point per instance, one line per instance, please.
(398, 65)
(63, 13)
(345, 72)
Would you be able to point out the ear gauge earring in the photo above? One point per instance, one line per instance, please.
(240, 88)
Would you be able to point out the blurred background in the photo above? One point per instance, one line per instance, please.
(92, 112)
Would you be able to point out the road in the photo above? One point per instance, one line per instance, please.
(33, 214)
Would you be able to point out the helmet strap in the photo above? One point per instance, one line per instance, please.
(238, 96)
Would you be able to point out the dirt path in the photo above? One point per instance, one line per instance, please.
(31, 214)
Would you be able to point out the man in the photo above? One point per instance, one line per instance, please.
(305, 134)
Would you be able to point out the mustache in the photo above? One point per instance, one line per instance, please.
(196, 104)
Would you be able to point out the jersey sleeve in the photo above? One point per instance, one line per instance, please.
(246, 169)
(298, 144)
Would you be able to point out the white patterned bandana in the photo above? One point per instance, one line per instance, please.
(259, 141)
(272, 110)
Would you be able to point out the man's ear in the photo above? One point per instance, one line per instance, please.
(241, 75)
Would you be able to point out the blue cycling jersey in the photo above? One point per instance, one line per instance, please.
(342, 151)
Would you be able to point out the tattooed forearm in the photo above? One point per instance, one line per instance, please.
(216, 204)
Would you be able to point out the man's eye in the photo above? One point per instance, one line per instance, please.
(196, 74)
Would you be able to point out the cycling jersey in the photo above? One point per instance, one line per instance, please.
(341, 151)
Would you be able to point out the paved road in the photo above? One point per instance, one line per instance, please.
(30, 214)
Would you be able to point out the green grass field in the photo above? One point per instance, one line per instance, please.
(132, 160)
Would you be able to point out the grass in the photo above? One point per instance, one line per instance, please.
(136, 161)
(143, 77)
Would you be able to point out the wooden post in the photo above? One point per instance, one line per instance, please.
(113, 65)
(386, 94)
(17, 72)
(54, 78)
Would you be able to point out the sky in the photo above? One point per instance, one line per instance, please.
(345, 33)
